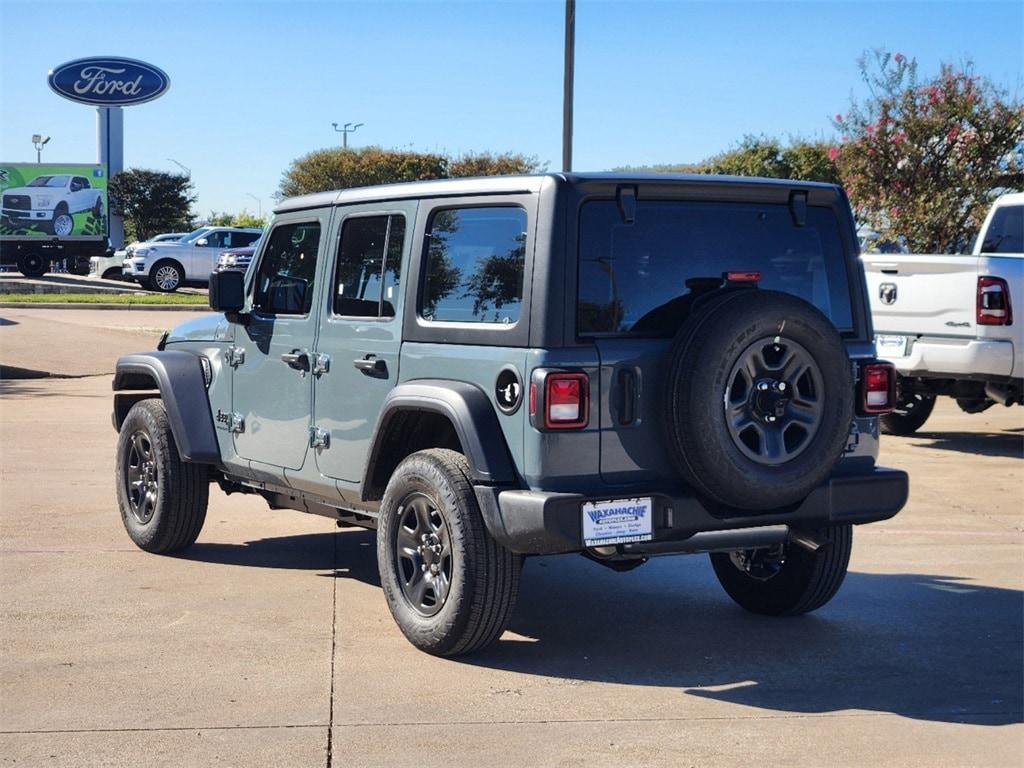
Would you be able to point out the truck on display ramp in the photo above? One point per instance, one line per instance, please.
(52, 213)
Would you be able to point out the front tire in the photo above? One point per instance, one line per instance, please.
(790, 580)
(912, 411)
(166, 277)
(162, 498)
(450, 587)
(63, 223)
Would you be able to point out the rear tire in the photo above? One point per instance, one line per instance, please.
(803, 582)
(453, 591)
(162, 498)
(912, 411)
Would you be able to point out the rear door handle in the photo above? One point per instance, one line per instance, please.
(371, 365)
(297, 359)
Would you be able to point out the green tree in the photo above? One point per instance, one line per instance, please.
(923, 160)
(152, 202)
(328, 169)
(242, 219)
(490, 164)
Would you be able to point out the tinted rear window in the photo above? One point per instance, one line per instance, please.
(1005, 233)
(633, 277)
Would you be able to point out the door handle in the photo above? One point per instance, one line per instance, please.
(371, 365)
(297, 359)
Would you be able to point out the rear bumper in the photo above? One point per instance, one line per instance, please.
(950, 357)
(537, 522)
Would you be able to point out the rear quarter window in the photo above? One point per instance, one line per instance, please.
(640, 278)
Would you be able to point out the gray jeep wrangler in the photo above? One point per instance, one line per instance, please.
(482, 369)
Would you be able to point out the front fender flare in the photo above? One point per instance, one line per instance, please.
(470, 412)
(178, 376)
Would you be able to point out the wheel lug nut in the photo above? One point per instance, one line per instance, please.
(763, 386)
(782, 386)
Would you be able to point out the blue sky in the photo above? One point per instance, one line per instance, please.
(255, 85)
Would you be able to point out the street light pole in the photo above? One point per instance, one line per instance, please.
(345, 130)
(567, 83)
(39, 141)
(259, 204)
(186, 169)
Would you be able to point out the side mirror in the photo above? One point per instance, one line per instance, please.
(227, 292)
(202, 242)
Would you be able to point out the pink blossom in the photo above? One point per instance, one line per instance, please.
(838, 118)
(833, 153)
(899, 58)
(953, 133)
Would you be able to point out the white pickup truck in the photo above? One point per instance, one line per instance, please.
(947, 321)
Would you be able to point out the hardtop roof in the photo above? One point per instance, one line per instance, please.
(525, 184)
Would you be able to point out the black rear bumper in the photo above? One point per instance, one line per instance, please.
(538, 522)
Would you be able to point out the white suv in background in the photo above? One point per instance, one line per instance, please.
(109, 267)
(166, 266)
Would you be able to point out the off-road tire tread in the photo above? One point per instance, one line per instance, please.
(184, 496)
(491, 588)
(824, 577)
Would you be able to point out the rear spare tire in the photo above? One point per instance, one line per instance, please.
(758, 399)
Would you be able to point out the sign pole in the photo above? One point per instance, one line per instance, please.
(110, 154)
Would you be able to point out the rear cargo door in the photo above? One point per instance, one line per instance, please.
(638, 280)
(922, 294)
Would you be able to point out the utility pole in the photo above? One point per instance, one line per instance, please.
(345, 130)
(567, 84)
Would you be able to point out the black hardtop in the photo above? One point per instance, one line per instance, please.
(533, 183)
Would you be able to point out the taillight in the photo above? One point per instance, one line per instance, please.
(994, 302)
(566, 403)
(878, 384)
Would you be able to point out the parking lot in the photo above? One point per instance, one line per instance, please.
(269, 643)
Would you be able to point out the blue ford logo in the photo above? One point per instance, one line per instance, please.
(109, 81)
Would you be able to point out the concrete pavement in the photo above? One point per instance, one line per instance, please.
(269, 642)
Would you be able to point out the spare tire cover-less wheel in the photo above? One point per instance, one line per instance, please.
(758, 399)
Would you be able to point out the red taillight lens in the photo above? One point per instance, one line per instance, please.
(565, 400)
(878, 381)
(994, 302)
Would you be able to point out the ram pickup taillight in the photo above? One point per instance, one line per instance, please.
(566, 400)
(878, 388)
(993, 302)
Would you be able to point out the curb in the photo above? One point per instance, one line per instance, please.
(142, 307)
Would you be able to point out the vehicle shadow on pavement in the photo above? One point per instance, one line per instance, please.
(1000, 444)
(923, 646)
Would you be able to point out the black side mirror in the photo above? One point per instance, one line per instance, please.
(227, 292)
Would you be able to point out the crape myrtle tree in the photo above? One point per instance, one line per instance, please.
(152, 202)
(923, 159)
(328, 169)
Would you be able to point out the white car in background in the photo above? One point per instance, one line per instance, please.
(166, 267)
(109, 266)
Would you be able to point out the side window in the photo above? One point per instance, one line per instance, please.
(242, 239)
(76, 184)
(284, 281)
(368, 276)
(217, 239)
(83, 183)
(474, 265)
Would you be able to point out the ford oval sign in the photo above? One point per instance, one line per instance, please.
(109, 81)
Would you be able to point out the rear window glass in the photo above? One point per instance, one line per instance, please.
(474, 269)
(641, 278)
(1006, 231)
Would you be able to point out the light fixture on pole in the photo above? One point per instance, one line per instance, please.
(186, 169)
(345, 130)
(39, 141)
(259, 204)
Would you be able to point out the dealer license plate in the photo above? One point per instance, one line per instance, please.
(616, 522)
(891, 346)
